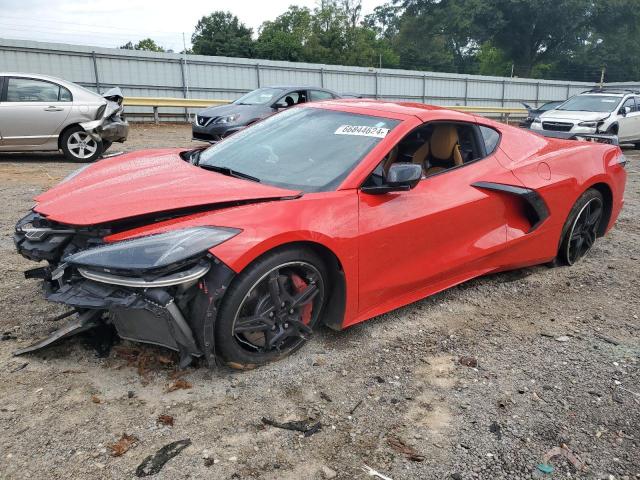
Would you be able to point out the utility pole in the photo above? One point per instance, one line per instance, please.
(604, 68)
(185, 76)
(184, 58)
(380, 60)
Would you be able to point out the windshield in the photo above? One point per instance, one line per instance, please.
(308, 149)
(549, 106)
(260, 96)
(590, 103)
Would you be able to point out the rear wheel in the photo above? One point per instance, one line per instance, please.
(271, 309)
(78, 146)
(581, 228)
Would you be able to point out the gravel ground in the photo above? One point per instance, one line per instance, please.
(558, 352)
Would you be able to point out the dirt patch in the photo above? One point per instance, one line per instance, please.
(396, 376)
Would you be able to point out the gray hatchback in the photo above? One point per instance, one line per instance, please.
(43, 113)
(215, 123)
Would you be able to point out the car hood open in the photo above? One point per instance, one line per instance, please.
(142, 183)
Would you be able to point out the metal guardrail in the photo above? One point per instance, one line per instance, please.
(158, 102)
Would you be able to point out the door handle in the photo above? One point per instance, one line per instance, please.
(53, 109)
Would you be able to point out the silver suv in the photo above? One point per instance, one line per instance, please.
(42, 113)
(612, 111)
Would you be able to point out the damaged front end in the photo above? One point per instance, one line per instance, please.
(162, 289)
(110, 124)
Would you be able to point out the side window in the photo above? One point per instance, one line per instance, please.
(65, 95)
(293, 98)
(631, 103)
(317, 95)
(437, 147)
(491, 139)
(29, 90)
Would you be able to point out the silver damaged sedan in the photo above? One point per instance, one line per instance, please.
(42, 113)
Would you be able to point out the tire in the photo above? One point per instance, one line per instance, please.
(581, 229)
(78, 146)
(285, 274)
(105, 145)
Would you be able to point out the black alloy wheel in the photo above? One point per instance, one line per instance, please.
(271, 308)
(582, 227)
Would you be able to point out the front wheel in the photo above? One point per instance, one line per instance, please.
(581, 228)
(271, 308)
(78, 146)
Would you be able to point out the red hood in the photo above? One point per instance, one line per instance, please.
(141, 183)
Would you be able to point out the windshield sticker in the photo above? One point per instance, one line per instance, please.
(606, 100)
(362, 131)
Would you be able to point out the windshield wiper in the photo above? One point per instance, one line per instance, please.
(228, 171)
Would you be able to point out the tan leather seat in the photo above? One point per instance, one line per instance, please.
(420, 156)
(445, 149)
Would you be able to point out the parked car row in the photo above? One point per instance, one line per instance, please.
(43, 113)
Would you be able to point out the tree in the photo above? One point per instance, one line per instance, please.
(532, 32)
(384, 21)
(222, 33)
(285, 38)
(147, 44)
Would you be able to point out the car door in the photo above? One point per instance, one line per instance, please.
(441, 232)
(629, 123)
(31, 111)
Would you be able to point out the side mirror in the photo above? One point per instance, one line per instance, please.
(401, 177)
(625, 110)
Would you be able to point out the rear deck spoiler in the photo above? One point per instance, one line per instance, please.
(581, 137)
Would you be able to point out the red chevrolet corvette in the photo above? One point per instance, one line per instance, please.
(328, 213)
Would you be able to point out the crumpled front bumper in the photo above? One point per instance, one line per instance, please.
(176, 310)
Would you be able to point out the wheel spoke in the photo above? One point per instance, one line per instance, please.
(254, 323)
(274, 289)
(589, 240)
(285, 296)
(578, 245)
(594, 217)
(305, 296)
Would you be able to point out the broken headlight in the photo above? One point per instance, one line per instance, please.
(153, 252)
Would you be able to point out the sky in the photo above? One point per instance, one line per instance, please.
(112, 23)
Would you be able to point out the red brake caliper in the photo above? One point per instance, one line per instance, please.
(300, 285)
